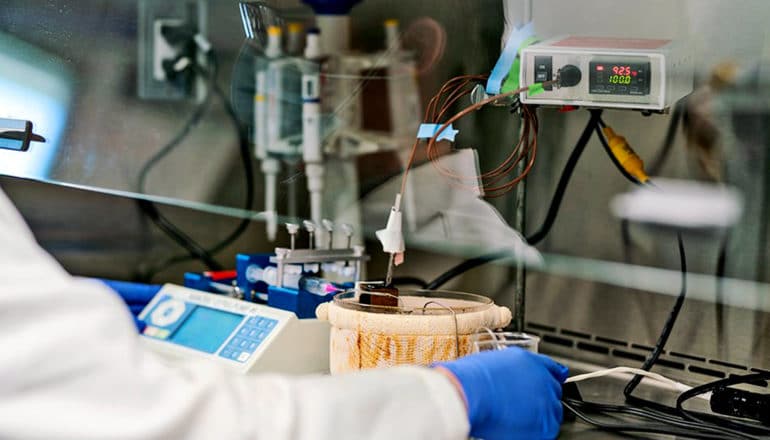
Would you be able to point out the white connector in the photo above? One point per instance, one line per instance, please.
(202, 42)
(392, 237)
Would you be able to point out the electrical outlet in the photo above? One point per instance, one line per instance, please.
(153, 47)
(161, 48)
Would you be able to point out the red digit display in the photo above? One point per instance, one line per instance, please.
(621, 70)
(619, 78)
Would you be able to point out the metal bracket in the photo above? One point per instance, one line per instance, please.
(285, 256)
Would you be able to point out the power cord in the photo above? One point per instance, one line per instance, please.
(195, 250)
(245, 154)
(611, 153)
(657, 163)
(151, 210)
(668, 326)
(566, 174)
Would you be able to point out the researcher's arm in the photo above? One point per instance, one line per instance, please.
(72, 367)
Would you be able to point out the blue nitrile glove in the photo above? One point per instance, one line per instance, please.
(511, 393)
(140, 325)
(135, 295)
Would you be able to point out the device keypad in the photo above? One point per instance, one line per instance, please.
(249, 337)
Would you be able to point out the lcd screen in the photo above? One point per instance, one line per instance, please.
(206, 329)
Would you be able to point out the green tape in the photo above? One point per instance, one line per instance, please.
(535, 89)
(512, 80)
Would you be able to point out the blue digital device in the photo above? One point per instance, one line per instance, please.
(219, 326)
(187, 324)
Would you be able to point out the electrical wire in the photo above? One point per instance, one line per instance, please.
(196, 251)
(150, 209)
(612, 157)
(409, 281)
(661, 423)
(564, 179)
(463, 267)
(550, 218)
(526, 150)
(436, 110)
(245, 155)
(630, 370)
(668, 327)
(712, 386)
(721, 267)
(654, 169)
(726, 429)
(668, 141)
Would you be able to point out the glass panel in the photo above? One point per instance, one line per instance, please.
(115, 118)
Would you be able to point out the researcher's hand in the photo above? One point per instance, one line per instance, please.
(511, 393)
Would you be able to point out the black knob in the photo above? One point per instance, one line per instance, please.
(569, 76)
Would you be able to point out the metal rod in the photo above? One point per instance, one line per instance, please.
(389, 275)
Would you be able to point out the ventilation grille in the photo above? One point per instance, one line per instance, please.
(609, 351)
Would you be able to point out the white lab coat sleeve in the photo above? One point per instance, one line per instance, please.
(73, 367)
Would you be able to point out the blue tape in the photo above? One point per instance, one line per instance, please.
(427, 131)
(504, 63)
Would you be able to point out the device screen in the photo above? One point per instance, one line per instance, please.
(619, 78)
(206, 329)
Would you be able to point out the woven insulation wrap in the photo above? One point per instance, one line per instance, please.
(362, 339)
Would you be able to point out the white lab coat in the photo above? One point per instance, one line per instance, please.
(72, 367)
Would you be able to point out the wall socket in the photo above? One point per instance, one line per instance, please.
(153, 48)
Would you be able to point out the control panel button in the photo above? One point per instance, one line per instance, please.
(544, 70)
(167, 312)
(243, 357)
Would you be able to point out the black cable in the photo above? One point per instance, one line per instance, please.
(550, 217)
(720, 275)
(666, 428)
(465, 266)
(197, 252)
(657, 163)
(409, 281)
(248, 172)
(245, 154)
(722, 383)
(668, 141)
(660, 411)
(670, 321)
(182, 239)
(566, 174)
(194, 249)
(607, 149)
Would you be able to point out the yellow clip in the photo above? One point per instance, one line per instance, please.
(274, 30)
(295, 27)
(626, 156)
